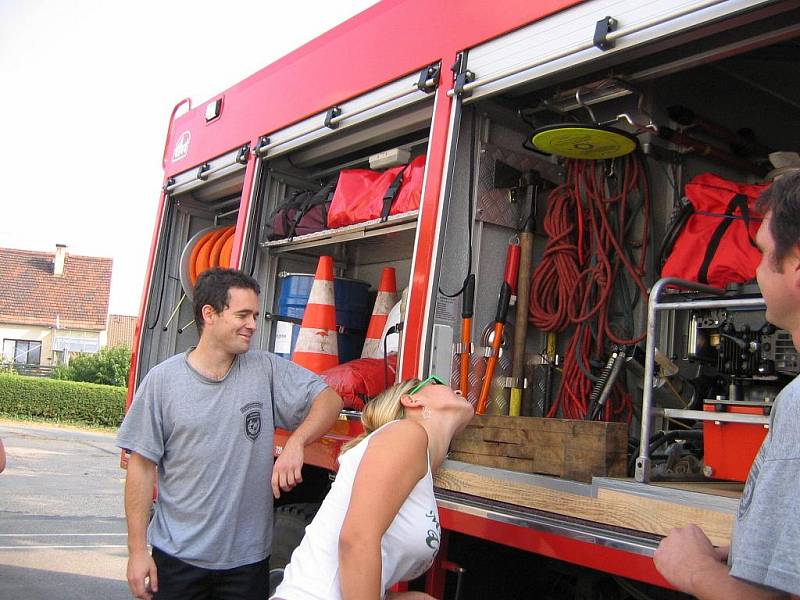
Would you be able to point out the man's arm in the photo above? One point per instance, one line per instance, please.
(2, 457)
(687, 559)
(324, 411)
(139, 485)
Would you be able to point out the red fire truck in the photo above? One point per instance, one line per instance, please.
(518, 107)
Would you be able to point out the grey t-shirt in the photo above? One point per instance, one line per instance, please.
(765, 546)
(213, 444)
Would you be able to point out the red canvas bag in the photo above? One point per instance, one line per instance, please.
(363, 195)
(716, 244)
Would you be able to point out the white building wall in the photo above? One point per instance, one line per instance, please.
(31, 333)
(66, 341)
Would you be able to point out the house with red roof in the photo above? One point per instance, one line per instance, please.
(52, 304)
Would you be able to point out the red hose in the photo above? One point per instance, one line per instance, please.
(572, 285)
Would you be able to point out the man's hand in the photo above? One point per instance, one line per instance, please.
(287, 472)
(685, 554)
(142, 576)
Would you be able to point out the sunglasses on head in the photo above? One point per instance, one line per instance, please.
(434, 379)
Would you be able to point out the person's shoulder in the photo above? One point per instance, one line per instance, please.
(788, 400)
(792, 389)
(403, 433)
(402, 443)
(258, 356)
(167, 368)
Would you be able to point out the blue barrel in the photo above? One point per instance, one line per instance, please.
(353, 311)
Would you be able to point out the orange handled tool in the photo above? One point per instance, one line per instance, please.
(506, 291)
(467, 302)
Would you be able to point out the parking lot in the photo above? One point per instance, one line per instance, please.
(62, 527)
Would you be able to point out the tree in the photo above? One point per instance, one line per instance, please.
(109, 366)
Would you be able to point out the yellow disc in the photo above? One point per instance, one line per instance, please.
(588, 143)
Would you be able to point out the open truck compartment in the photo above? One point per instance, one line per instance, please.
(197, 203)
(361, 251)
(716, 103)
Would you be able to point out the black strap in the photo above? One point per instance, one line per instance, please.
(300, 210)
(390, 195)
(674, 231)
(739, 201)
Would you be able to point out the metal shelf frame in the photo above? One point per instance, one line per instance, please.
(656, 305)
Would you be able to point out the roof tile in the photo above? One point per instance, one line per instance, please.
(31, 295)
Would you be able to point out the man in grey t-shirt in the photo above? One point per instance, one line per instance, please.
(202, 422)
(764, 558)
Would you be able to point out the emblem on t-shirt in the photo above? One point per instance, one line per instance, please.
(252, 420)
(749, 487)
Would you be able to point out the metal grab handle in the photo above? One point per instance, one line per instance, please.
(459, 571)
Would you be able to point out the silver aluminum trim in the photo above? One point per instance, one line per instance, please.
(217, 168)
(581, 531)
(390, 97)
(526, 45)
(718, 417)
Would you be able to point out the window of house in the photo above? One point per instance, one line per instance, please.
(76, 341)
(22, 352)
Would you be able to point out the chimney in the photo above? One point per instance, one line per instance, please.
(58, 259)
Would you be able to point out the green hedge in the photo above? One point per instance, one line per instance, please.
(37, 398)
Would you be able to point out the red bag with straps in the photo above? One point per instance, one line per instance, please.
(358, 380)
(363, 195)
(715, 243)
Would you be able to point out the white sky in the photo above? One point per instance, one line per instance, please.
(86, 90)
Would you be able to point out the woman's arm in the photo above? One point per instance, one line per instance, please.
(395, 460)
(2, 457)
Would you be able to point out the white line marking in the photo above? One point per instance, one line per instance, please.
(59, 534)
(61, 547)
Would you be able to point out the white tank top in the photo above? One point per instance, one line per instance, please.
(407, 548)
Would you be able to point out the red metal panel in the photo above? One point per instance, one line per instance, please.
(729, 449)
(324, 452)
(426, 225)
(601, 558)
(385, 42)
(148, 279)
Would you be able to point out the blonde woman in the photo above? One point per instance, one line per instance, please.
(379, 523)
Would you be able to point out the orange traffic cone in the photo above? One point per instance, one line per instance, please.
(384, 301)
(316, 348)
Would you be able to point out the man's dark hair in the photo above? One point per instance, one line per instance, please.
(212, 287)
(782, 199)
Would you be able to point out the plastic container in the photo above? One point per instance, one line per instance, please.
(353, 311)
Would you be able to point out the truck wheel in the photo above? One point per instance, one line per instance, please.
(287, 532)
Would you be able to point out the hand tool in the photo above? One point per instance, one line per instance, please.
(504, 299)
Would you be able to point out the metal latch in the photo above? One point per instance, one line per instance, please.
(431, 72)
(601, 31)
(202, 172)
(244, 152)
(333, 112)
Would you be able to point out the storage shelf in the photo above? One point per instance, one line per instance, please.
(316, 242)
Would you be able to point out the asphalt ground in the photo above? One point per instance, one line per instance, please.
(62, 526)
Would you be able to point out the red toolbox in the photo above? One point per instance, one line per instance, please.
(730, 447)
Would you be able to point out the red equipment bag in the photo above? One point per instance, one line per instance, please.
(359, 380)
(715, 242)
(363, 195)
